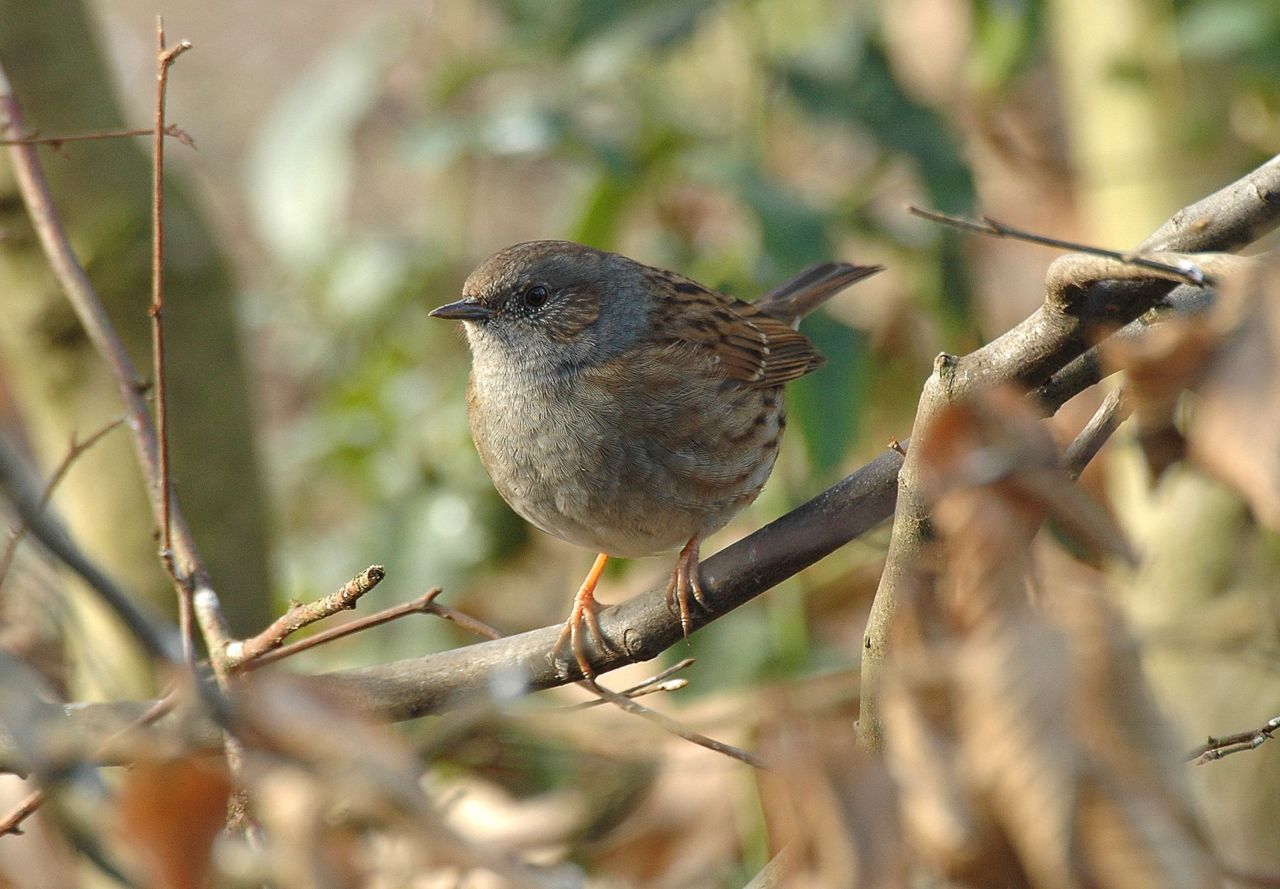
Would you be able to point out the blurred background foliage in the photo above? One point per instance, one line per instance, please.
(360, 162)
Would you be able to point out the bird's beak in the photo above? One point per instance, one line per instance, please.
(463, 310)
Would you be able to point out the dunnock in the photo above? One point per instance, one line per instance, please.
(625, 408)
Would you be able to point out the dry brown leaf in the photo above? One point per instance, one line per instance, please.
(1236, 431)
(1159, 366)
(169, 812)
(831, 807)
(1026, 747)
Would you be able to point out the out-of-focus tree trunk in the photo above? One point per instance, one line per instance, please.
(103, 192)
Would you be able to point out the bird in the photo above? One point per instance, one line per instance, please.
(628, 409)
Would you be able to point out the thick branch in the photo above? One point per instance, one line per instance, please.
(643, 626)
(640, 628)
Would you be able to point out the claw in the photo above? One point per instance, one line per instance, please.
(685, 582)
(584, 611)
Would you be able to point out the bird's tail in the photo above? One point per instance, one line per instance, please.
(800, 295)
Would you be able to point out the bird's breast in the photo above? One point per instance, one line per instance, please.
(628, 464)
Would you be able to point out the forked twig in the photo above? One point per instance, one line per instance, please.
(660, 681)
(244, 652)
(424, 604)
(164, 60)
(1217, 748)
(53, 237)
(672, 726)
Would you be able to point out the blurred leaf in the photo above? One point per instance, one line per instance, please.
(171, 811)
(1006, 38)
(1226, 30)
(301, 165)
(651, 24)
(853, 82)
(794, 233)
(1236, 430)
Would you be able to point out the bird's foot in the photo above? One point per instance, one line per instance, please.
(685, 586)
(583, 621)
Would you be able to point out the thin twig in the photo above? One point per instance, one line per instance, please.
(424, 604)
(775, 873)
(661, 681)
(1113, 411)
(172, 130)
(301, 615)
(1189, 272)
(24, 493)
(34, 188)
(670, 725)
(164, 60)
(1217, 748)
(76, 448)
(12, 823)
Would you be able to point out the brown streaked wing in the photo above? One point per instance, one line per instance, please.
(748, 345)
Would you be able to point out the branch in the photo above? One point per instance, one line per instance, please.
(155, 636)
(1113, 411)
(641, 627)
(1087, 298)
(55, 142)
(89, 309)
(242, 653)
(1217, 748)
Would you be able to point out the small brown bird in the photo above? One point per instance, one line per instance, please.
(628, 409)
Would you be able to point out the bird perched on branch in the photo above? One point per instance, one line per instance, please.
(628, 409)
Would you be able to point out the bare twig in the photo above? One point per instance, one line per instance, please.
(241, 653)
(1217, 748)
(12, 822)
(164, 60)
(670, 725)
(1188, 272)
(424, 604)
(172, 130)
(1113, 411)
(1087, 297)
(16, 480)
(660, 681)
(74, 450)
(34, 188)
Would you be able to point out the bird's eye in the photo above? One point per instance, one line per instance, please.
(536, 297)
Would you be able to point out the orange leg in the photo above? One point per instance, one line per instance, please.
(685, 584)
(584, 613)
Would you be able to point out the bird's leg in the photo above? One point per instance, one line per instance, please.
(685, 582)
(584, 613)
